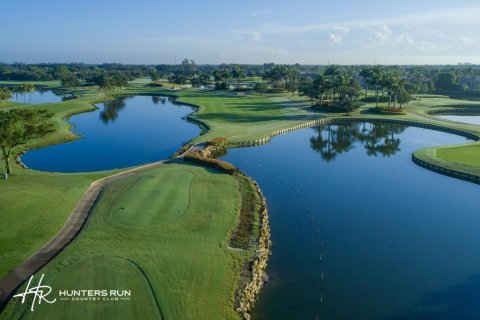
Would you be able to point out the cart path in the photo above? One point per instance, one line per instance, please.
(15, 278)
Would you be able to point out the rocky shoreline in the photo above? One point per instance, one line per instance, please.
(248, 295)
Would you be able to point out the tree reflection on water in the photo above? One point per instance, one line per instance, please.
(377, 138)
(111, 109)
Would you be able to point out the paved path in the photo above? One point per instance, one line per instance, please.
(14, 279)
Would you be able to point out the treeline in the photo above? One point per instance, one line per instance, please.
(441, 77)
(330, 86)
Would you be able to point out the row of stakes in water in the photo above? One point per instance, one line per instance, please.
(309, 214)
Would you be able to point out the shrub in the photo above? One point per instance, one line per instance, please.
(220, 165)
(218, 142)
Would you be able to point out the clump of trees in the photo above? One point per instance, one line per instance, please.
(341, 88)
(18, 126)
(282, 78)
(113, 82)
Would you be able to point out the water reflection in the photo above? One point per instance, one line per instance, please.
(377, 138)
(111, 109)
(158, 99)
(153, 132)
(369, 235)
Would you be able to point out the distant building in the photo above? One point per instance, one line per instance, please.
(470, 81)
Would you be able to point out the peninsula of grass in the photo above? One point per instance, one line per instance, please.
(163, 234)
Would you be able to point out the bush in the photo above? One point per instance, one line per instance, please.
(220, 165)
(218, 142)
(221, 86)
(388, 111)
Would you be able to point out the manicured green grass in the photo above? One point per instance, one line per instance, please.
(469, 154)
(162, 234)
(50, 84)
(33, 207)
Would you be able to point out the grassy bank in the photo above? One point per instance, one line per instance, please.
(34, 205)
(162, 234)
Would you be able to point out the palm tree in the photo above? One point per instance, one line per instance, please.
(332, 71)
(293, 76)
(347, 88)
(392, 82)
(374, 77)
(321, 85)
(238, 73)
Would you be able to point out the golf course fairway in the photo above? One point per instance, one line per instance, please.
(149, 235)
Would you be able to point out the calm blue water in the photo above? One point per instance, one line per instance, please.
(361, 232)
(38, 97)
(464, 119)
(121, 133)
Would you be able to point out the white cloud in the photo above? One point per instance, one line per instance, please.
(265, 49)
(335, 38)
(250, 35)
(382, 32)
(341, 29)
(467, 41)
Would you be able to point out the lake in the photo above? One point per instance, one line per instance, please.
(40, 96)
(121, 133)
(463, 118)
(361, 232)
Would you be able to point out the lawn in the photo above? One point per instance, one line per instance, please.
(34, 205)
(469, 154)
(163, 234)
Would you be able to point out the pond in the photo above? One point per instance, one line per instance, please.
(41, 96)
(361, 232)
(463, 118)
(121, 133)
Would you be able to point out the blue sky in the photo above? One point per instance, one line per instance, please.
(247, 31)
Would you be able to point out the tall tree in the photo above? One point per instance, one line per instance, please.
(374, 77)
(332, 71)
(17, 126)
(321, 87)
(348, 90)
(238, 73)
(392, 82)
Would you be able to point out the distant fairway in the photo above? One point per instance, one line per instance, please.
(148, 234)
